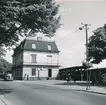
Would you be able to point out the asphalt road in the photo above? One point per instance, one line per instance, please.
(20, 93)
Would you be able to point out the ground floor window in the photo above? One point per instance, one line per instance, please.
(34, 72)
(49, 72)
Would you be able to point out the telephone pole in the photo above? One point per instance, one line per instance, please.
(87, 61)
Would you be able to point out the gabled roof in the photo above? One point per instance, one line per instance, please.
(41, 46)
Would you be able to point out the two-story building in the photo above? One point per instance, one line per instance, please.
(36, 59)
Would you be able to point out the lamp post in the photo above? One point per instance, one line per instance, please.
(87, 61)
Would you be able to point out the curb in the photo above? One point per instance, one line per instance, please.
(92, 92)
(86, 91)
(80, 90)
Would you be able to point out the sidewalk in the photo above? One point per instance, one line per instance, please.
(2, 102)
(78, 86)
(81, 86)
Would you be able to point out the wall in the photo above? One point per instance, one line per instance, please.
(17, 59)
(17, 73)
(41, 57)
(42, 73)
(55, 72)
(41, 60)
(27, 70)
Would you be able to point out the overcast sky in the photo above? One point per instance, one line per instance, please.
(73, 12)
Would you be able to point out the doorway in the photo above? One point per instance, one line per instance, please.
(49, 72)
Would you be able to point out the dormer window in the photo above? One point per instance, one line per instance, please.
(34, 46)
(49, 47)
(39, 38)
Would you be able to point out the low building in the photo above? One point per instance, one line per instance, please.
(36, 59)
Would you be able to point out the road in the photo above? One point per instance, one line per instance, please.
(21, 93)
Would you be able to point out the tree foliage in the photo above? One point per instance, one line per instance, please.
(27, 17)
(97, 45)
(2, 51)
(4, 65)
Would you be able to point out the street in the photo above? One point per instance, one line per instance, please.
(22, 93)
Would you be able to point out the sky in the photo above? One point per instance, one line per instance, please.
(70, 40)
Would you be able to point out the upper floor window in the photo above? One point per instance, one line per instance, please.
(49, 47)
(39, 38)
(49, 59)
(34, 58)
(34, 46)
(49, 55)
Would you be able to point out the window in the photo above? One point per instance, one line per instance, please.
(49, 47)
(39, 38)
(49, 55)
(33, 72)
(34, 46)
(49, 59)
(33, 58)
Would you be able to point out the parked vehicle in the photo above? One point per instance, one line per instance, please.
(8, 77)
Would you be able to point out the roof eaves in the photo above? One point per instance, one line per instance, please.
(40, 50)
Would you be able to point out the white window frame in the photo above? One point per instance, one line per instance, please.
(33, 71)
(49, 47)
(49, 59)
(34, 58)
(34, 46)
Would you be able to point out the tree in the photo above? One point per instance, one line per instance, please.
(26, 18)
(2, 51)
(97, 45)
(4, 65)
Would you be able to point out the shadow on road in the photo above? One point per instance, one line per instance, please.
(5, 91)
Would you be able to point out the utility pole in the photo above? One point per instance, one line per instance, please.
(87, 62)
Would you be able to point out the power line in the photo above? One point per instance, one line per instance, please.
(68, 35)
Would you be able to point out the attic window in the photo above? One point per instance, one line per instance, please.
(49, 47)
(34, 46)
(39, 38)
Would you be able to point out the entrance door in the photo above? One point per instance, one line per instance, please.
(49, 72)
